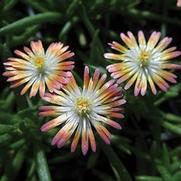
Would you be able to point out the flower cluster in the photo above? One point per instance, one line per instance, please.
(97, 104)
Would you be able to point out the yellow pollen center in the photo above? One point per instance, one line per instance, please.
(83, 106)
(39, 62)
(144, 58)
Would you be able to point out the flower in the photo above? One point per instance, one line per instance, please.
(178, 3)
(39, 69)
(143, 62)
(79, 110)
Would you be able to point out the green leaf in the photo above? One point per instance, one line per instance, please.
(103, 176)
(171, 127)
(115, 163)
(31, 171)
(93, 159)
(4, 178)
(175, 166)
(17, 144)
(5, 128)
(82, 37)
(97, 50)
(27, 112)
(5, 51)
(152, 16)
(67, 27)
(14, 164)
(86, 20)
(42, 166)
(6, 117)
(19, 25)
(172, 117)
(148, 178)
(18, 161)
(121, 143)
(172, 92)
(166, 160)
(61, 159)
(9, 4)
(166, 176)
(9, 101)
(116, 173)
(78, 78)
(72, 7)
(177, 176)
(5, 138)
(36, 5)
(176, 151)
(154, 153)
(18, 40)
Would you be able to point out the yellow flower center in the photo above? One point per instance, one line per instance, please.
(144, 58)
(39, 62)
(83, 106)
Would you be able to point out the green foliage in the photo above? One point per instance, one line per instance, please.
(148, 146)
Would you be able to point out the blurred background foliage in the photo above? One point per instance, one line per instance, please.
(146, 149)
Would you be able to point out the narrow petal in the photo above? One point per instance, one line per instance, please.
(85, 141)
(141, 40)
(76, 139)
(53, 123)
(153, 40)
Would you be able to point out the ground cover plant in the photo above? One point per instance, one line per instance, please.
(90, 90)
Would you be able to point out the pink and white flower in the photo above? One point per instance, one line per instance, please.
(178, 3)
(80, 111)
(143, 63)
(39, 69)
